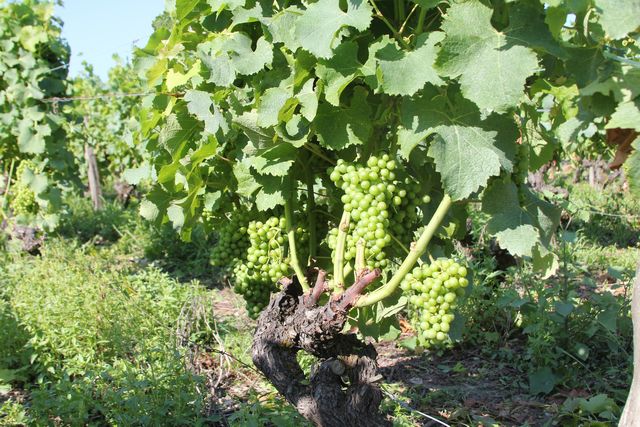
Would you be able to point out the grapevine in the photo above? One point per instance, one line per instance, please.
(396, 121)
(33, 67)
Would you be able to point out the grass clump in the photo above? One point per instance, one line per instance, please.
(99, 337)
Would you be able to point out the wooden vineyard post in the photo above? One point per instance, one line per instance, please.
(631, 413)
(94, 177)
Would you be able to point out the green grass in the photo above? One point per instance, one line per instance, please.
(96, 335)
(606, 225)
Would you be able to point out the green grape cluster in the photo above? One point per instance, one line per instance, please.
(266, 261)
(266, 253)
(24, 199)
(253, 288)
(368, 191)
(434, 291)
(233, 240)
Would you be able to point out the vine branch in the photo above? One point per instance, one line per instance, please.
(291, 236)
(338, 262)
(395, 32)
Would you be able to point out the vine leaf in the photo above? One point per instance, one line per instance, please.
(271, 102)
(272, 193)
(30, 36)
(340, 127)
(405, 73)
(318, 29)
(148, 210)
(248, 122)
(626, 116)
(339, 71)
(466, 154)
(491, 72)
(522, 230)
(220, 5)
(231, 54)
(584, 64)
(528, 28)
(619, 19)
(466, 158)
(275, 160)
(512, 226)
(30, 141)
(201, 105)
(176, 78)
(184, 8)
(135, 175)
(247, 184)
(282, 27)
(545, 216)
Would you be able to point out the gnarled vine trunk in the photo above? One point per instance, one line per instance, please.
(631, 414)
(342, 389)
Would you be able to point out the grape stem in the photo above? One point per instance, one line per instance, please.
(416, 252)
(421, 16)
(311, 218)
(360, 264)
(338, 261)
(314, 149)
(293, 253)
(381, 16)
(399, 243)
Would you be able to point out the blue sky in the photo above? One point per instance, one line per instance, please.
(96, 29)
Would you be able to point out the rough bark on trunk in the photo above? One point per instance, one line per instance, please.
(94, 177)
(342, 389)
(631, 414)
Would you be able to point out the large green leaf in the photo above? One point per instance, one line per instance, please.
(405, 73)
(511, 225)
(338, 71)
(272, 193)
(231, 54)
(340, 127)
(271, 103)
(528, 28)
(619, 18)
(275, 160)
(465, 152)
(632, 168)
(202, 106)
(466, 158)
(318, 30)
(491, 70)
(626, 116)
